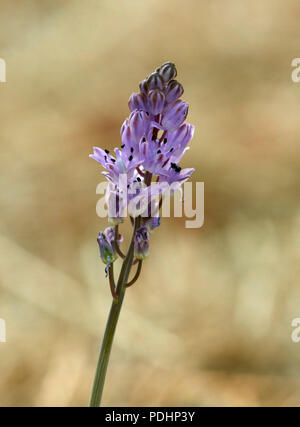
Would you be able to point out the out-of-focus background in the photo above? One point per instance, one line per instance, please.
(209, 323)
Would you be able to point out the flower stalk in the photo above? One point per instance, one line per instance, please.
(144, 156)
(110, 329)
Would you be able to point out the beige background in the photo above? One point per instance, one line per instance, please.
(209, 323)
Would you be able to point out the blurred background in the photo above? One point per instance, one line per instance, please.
(209, 322)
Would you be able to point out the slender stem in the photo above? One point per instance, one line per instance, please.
(112, 282)
(111, 328)
(136, 276)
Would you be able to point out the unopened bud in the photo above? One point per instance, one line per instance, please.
(175, 116)
(156, 101)
(144, 86)
(106, 247)
(137, 101)
(168, 71)
(124, 126)
(141, 243)
(155, 81)
(173, 91)
(138, 123)
(126, 134)
(180, 137)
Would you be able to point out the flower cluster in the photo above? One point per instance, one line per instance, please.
(154, 139)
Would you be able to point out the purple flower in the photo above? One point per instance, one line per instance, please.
(175, 115)
(140, 174)
(154, 138)
(176, 143)
(122, 163)
(175, 174)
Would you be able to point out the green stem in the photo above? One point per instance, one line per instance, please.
(110, 329)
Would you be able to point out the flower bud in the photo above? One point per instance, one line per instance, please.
(155, 81)
(106, 247)
(156, 101)
(137, 101)
(138, 124)
(175, 116)
(124, 126)
(168, 71)
(173, 91)
(126, 134)
(141, 243)
(179, 138)
(144, 87)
